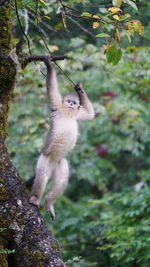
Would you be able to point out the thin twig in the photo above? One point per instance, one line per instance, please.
(43, 32)
(81, 17)
(17, 14)
(63, 6)
(36, 11)
(65, 74)
(81, 27)
(96, 6)
(41, 22)
(73, 9)
(67, 7)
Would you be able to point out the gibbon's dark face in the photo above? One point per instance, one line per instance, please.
(71, 102)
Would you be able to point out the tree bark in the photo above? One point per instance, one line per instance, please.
(22, 227)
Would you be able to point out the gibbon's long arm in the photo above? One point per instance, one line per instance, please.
(86, 112)
(54, 97)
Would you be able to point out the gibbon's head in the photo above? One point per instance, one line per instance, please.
(71, 101)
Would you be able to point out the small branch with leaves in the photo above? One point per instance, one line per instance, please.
(115, 16)
(114, 24)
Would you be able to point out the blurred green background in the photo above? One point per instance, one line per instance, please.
(103, 217)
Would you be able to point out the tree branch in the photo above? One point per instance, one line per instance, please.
(52, 58)
(33, 58)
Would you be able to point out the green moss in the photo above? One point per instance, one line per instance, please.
(14, 214)
(37, 231)
(3, 193)
(37, 255)
(5, 27)
(40, 255)
(3, 119)
(1, 166)
(7, 70)
(7, 74)
(4, 224)
(3, 258)
(1, 180)
(54, 246)
(19, 220)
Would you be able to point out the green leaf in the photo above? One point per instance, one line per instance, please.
(131, 3)
(117, 57)
(128, 35)
(117, 3)
(20, 5)
(26, 2)
(114, 54)
(86, 14)
(125, 16)
(102, 35)
(42, 2)
(111, 53)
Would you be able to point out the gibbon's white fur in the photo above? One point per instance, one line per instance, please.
(61, 138)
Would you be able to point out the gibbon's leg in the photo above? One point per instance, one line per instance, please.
(43, 171)
(59, 185)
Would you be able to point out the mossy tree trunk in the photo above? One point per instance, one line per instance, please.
(21, 226)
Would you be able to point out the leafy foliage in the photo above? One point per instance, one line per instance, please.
(112, 24)
(109, 231)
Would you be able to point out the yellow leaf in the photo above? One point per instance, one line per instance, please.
(53, 48)
(106, 48)
(116, 17)
(58, 27)
(96, 17)
(43, 2)
(95, 24)
(114, 9)
(141, 30)
(47, 17)
(37, 19)
(135, 26)
(64, 21)
(118, 35)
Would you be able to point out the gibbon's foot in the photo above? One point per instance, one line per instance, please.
(35, 201)
(50, 209)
